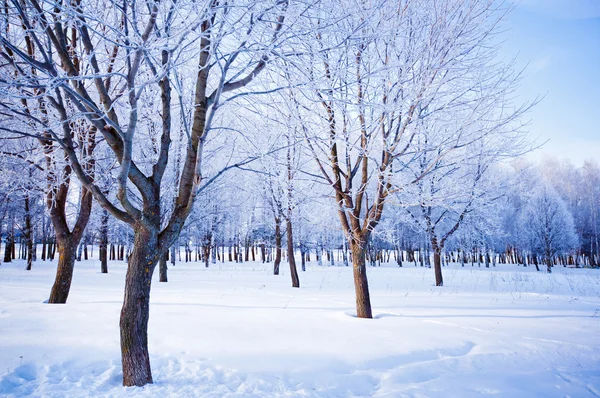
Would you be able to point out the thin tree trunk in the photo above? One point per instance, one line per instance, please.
(303, 257)
(437, 266)
(79, 251)
(162, 268)
(103, 250)
(277, 246)
(345, 253)
(50, 254)
(10, 241)
(172, 256)
(28, 234)
(44, 238)
(290, 250)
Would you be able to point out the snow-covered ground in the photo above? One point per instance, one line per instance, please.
(235, 330)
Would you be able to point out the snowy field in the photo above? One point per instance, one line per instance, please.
(235, 330)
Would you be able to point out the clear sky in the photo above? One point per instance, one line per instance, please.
(559, 42)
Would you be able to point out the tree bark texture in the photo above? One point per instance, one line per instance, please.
(67, 250)
(162, 268)
(103, 250)
(437, 266)
(277, 246)
(136, 309)
(361, 284)
(290, 250)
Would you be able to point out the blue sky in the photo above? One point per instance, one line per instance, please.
(559, 43)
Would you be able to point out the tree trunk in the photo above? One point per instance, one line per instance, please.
(172, 256)
(303, 257)
(437, 266)
(30, 252)
(136, 309)
(43, 243)
(67, 253)
(535, 262)
(206, 250)
(278, 246)
(361, 284)
(290, 250)
(53, 249)
(28, 234)
(10, 241)
(103, 250)
(162, 268)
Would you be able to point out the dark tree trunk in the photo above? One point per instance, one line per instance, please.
(28, 234)
(43, 243)
(67, 252)
(277, 246)
(535, 262)
(549, 264)
(66, 240)
(52, 249)
(103, 250)
(10, 242)
(361, 284)
(162, 268)
(214, 251)
(263, 254)
(85, 248)
(290, 251)
(206, 250)
(172, 256)
(136, 309)
(437, 266)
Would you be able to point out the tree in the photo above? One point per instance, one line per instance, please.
(379, 74)
(550, 225)
(113, 67)
(460, 188)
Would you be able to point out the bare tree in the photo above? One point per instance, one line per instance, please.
(378, 74)
(108, 68)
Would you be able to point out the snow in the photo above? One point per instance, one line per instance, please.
(235, 330)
